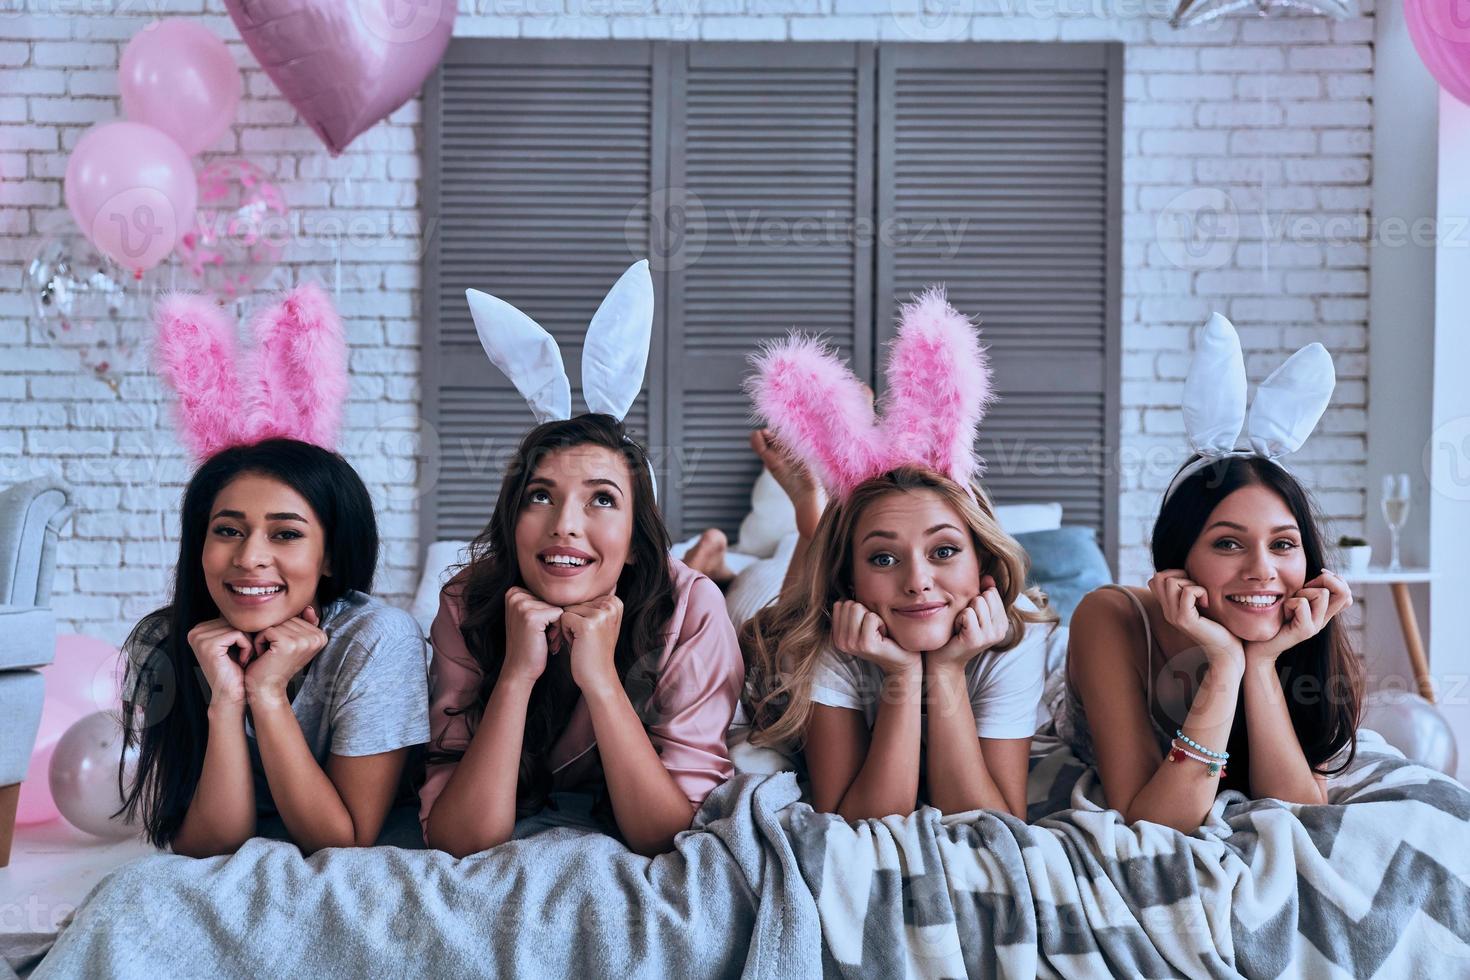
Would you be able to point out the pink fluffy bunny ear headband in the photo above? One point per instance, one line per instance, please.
(938, 391)
(292, 385)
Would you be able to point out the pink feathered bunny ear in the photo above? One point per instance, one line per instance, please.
(294, 384)
(818, 409)
(300, 369)
(938, 388)
(195, 353)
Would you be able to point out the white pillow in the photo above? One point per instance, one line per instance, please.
(1025, 518)
(443, 556)
(771, 518)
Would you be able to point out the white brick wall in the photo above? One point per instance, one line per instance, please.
(1272, 113)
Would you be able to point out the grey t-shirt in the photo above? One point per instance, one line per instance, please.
(366, 692)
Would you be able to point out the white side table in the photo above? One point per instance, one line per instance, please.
(1398, 583)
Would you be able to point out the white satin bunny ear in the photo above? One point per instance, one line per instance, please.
(1290, 402)
(528, 355)
(615, 353)
(1214, 390)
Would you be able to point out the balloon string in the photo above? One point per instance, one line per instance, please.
(1265, 211)
(348, 200)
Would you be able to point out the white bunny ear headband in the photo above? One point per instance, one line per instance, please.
(1287, 406)
(614, 354)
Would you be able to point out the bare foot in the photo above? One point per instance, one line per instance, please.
(807, 495)
(708, 556)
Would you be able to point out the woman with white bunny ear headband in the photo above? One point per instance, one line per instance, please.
(571, 629)
(910, 584)
(1231, 669)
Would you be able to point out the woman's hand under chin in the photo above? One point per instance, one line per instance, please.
(592, 628)
(859, 632)
(979, 626)
(1307, 613)
(1182, 600)
(279, 653)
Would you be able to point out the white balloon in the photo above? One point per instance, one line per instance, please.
(84, 776)
(1413, 726)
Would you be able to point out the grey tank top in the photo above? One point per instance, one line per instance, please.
(1069, 716)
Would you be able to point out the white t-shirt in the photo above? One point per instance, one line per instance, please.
(1005, 687)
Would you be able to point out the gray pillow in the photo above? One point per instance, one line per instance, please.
(1066, 564)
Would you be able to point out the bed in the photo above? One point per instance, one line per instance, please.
(1373, 883)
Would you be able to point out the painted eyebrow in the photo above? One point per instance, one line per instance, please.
(1241, 528)
(890, 535)
(283, 516)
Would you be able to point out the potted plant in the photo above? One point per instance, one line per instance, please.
(1356, 552)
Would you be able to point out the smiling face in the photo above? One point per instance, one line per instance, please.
(1249, 559)
(575, 528)
(264, 553)
(915, 565)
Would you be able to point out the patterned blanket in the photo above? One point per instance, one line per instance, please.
(1375, 883)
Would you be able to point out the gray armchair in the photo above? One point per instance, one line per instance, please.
(32, 515)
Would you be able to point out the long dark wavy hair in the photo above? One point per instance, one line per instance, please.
(166, 698)
(1322, 677)
(645, 587)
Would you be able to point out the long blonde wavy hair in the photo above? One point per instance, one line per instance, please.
(783, 641)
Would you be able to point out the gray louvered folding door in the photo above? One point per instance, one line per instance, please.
(774, 186)
(772, 158)
(545, 162)
(998, 174)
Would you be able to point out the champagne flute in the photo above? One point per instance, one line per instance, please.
(1395, 512)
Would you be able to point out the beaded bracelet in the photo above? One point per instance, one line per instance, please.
(1178, 753)
(1179, 734)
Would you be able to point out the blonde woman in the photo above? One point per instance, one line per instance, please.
(908, 663)
(903, 655)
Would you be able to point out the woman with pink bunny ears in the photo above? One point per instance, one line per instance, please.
(1231, 669)
(272, 684)
(905, 656)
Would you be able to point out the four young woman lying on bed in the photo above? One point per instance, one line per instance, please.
(582, 677)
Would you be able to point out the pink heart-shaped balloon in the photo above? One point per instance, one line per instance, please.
(345, 64)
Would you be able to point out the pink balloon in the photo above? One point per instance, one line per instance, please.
(1442, 38)
(178, 77)
(345, 64)
(85, 677)
(83, 776)
(131, 190)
